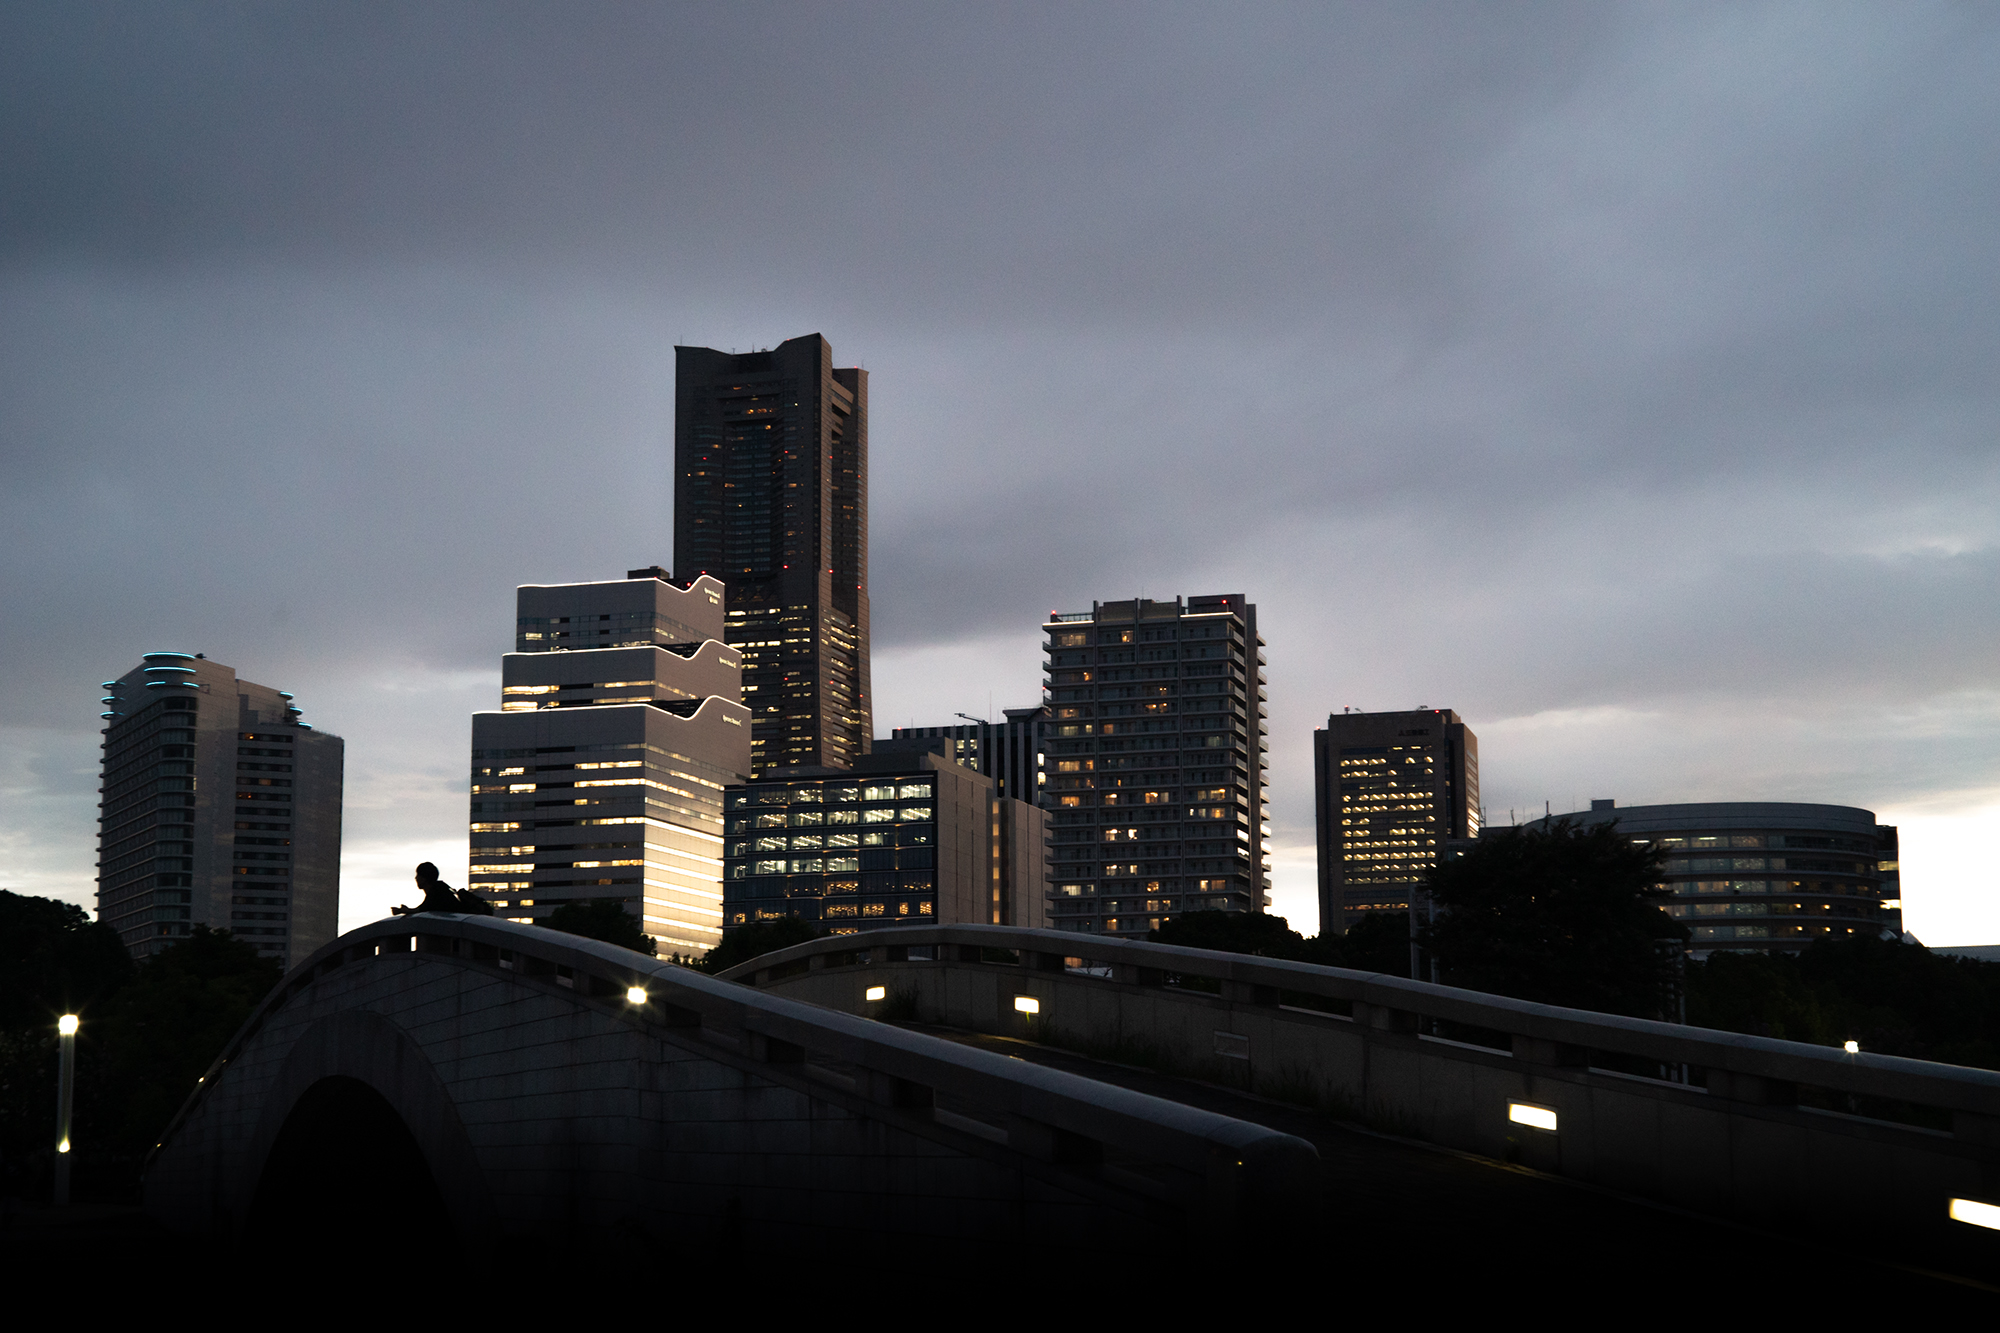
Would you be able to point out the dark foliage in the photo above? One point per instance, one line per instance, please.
(742, 943)
(602, 919)
(1565, 915)
(54, 960)
(1891, 997)
(1232, 932)
(1379, 942)
(148, 1033)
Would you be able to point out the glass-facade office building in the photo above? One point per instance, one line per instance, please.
(910, 838)
(1768, 875)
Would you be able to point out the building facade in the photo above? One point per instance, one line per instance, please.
(601, 777)
(910, 837)
(1767, 875)
(1156, 760)
(1391, 790)
(1010, 752)
(771, 497)
(219, 808)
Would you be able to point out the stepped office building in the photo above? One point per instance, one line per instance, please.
(601, 777)
(1390, 789)
(771, 497)
(1155, 744)
(219, 808)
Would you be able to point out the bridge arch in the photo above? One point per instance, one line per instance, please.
(357, 1107)
(560, 1088)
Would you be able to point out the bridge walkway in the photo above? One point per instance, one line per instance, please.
(1402, 1213)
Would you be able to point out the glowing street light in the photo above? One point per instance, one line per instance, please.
(878, 993)
(635, 995)
(1535, 1117)
(65, 1097)
(1854, 1048)
(1027, 1004)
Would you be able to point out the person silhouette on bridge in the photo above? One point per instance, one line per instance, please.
(441, 897)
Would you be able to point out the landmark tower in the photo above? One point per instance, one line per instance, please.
(771, 498)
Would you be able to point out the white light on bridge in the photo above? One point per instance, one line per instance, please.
(1534, 1117)
(878, 992)
(66, 1025)
(64, 1147)
(1854, 1048)
(635, 995)
(1027, 1004)
(1978, 1214)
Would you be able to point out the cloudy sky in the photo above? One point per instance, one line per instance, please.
(1621, 377)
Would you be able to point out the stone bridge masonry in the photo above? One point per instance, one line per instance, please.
(1893, 1154)
(503, 1081)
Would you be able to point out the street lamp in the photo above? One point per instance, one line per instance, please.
(65, 1099)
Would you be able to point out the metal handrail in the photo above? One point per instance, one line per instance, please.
(1922, 1082)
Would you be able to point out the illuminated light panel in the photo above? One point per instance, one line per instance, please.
(1027, 1004)
(1853, 1048)
(1978, 1214)
(635, 995)
(66, 1025)
(1535, 1117)
(878, 993)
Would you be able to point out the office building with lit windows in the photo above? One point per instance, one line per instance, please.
(1391, 790)
(601, 777)
(1757, 876)
(219, 808)
(909, 837)
(1156, 759)
(1010, 752)
(771, 497)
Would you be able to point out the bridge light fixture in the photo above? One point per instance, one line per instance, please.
(66, 1025)
(1978, 1214)
(1534, 1117)
(635, 995)
(1027, 1004)
(63, 1146)
(1854, 1048)
(877, 993)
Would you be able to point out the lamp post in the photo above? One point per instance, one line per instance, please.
(65, 1099)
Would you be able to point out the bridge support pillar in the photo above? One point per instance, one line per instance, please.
(1539, 1051)
(1381, 1018)
(1752, 1088)
(1244, 992)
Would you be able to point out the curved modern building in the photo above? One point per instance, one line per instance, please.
(1757, 875)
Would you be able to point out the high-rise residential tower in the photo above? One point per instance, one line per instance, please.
(771, 497)
(601, 777)
(1156, 756)
(1391, 789)
(219, 808)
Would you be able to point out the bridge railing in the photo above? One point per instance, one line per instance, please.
(1724, 1066)
(1144, 1150)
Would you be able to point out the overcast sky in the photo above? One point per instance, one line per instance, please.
(1621, 377)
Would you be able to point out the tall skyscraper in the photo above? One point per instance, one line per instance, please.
(1156, 759)
(219, 808)
(1390, 790)
(771, 497)
(601, 777)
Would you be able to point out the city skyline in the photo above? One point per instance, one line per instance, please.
(1620, 377)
